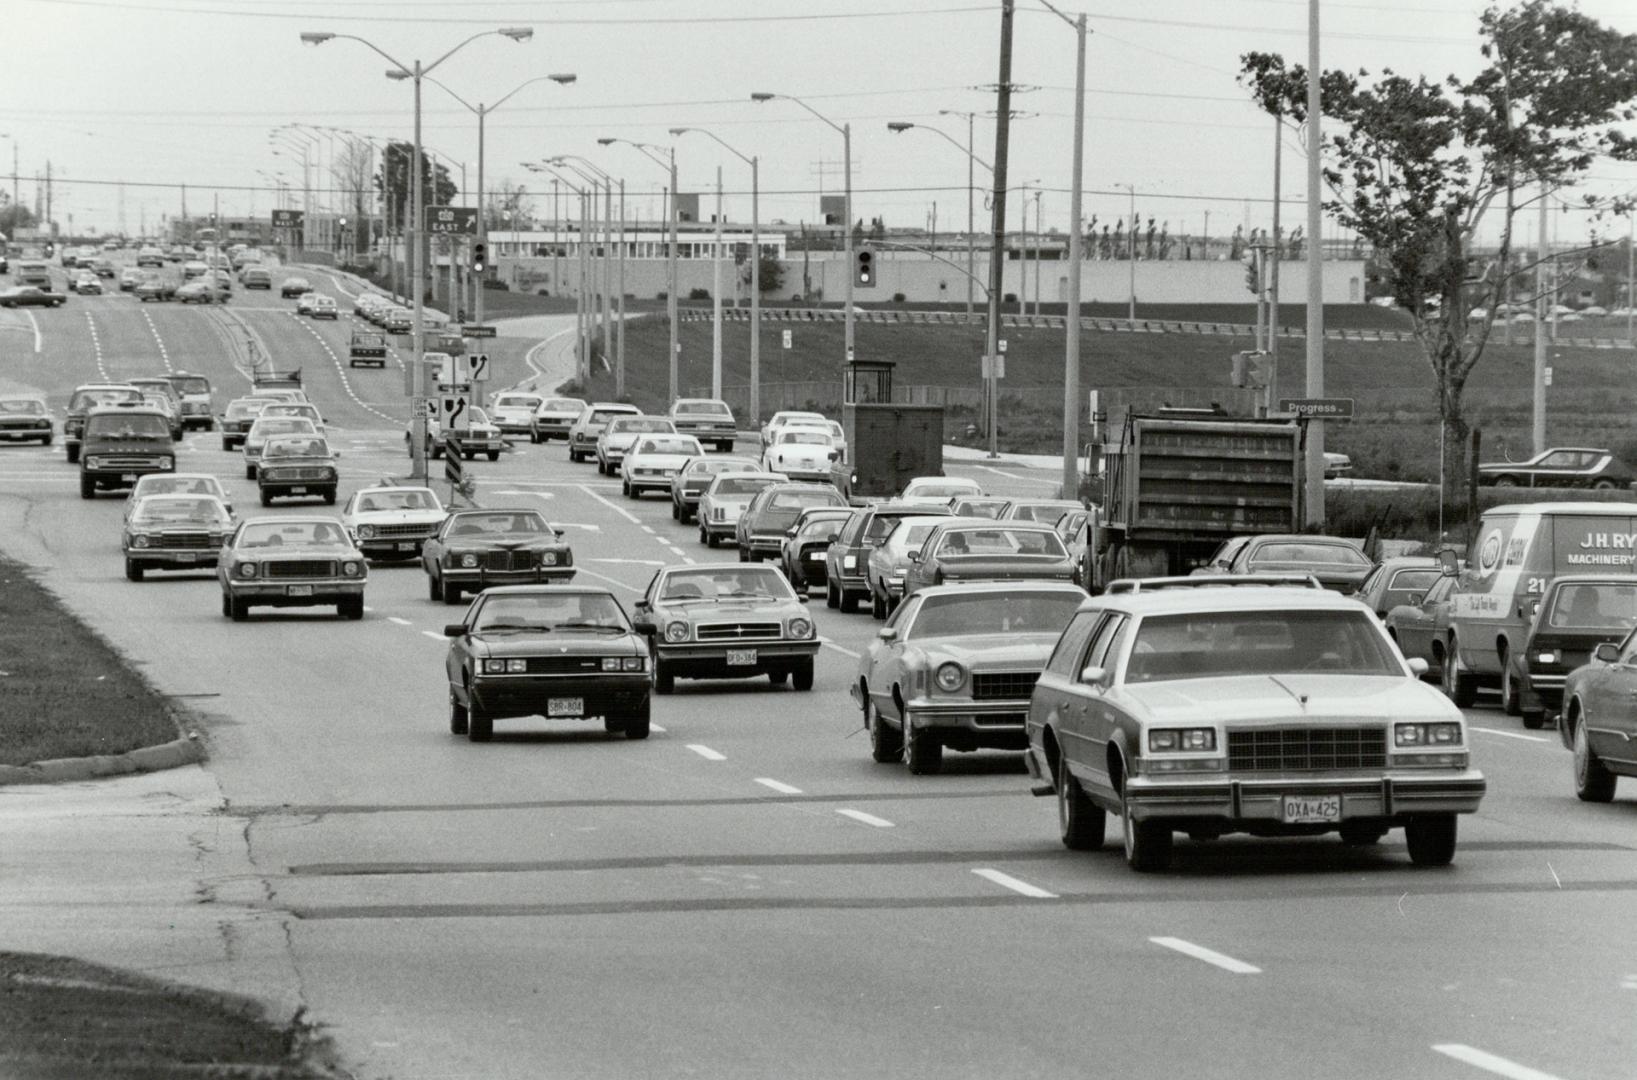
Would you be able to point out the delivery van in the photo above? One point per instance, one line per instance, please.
(1515, 554)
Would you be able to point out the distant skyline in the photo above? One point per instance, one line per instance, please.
(129, 99)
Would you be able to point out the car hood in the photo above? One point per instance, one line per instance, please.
(660, 461)
(732, 609)
(297, 551)
(1269, 699)
(501, 543)
(302, 460)
(990, 651)
(397, 517)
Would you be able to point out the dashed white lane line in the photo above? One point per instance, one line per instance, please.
(779, 786)
(842, 649)
(706, 752)
(164, 353)
(1200, 952)
(656, 727)
(1007, 881)
(1511, 734)
(341, 370)
(96, 346)
(430, 634)
(616, 507)
(868, 819)
(649, 529)
(400, 622)
(1490, 1063)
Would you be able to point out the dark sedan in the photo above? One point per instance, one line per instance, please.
(554, 651)
(966, 550)
(1600, 719)
(760, 529)
(1561, 466)
(1575, 615)
(1337, 564)
(801, 557)
(30, 296)
(476, 549)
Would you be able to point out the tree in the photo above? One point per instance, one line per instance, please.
(13, 217)
(507, 204)
(1416, 166)
(392, 180)
(770, 274)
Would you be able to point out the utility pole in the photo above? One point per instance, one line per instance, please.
(1539, 427)
(619, 360)
(1273, 281)
(1315, 272)
(1023, 250)
(1071, 352)
(716, 295)
(997, 251)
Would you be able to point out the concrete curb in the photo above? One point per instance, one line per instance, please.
(171, 755)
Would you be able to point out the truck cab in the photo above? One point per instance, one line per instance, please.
(121, 443)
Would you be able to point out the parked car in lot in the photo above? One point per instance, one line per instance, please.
(653, 462)
(621, 433)
(847, 561)
(513, 412)
(706, 419)
(802, 554)
(392, 521)
(554, 651)
(297, 466)
(760, 530)
(588, 427)
(726, 622)
(955, 666)
(1599, 723)
(695, 476)
(962, 550)
(1576, 614)
(1192, 705)
(1401, 579)
(479, 548)
(267, 427)
(554, 417)
(291, 562)
(1561, 466)
(802, 454)
(25, 418)
(938, 490)
(1336, 563)
(892, 558)
(173, 532)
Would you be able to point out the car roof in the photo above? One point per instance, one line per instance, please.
(1566, 509)
(1588, 579)
(293, 519)
(393, 487)
(898, 509)
(546, 590)
(1000, 588)
(127, 408)
(180, 476)
(1302, 538)
(1225, 597)
(952, 523)
(620, 405)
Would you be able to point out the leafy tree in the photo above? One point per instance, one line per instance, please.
(14, 217)
(770, 274)
(1415, 166)
(392, 180)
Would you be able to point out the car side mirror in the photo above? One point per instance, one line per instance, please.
(1449, 563)
(1093, 675)
(455, 630)
(790, 533)
(1418, 666)
(644, 626)
(915, 556)
(887, 633)
(834, 537)
(558, 533)
(1607, 653)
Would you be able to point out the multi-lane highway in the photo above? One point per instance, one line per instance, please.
(745, 894)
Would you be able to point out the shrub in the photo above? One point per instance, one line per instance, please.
(699, 294)
(572, 388)
(898, 298)
(1411, 513)
(496, 283)
(1011, 298)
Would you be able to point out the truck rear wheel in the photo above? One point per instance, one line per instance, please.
(1460, 686)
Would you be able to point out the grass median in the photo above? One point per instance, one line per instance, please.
(64, 691)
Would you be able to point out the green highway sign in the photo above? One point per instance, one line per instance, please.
(1320, 408)
(452, 220)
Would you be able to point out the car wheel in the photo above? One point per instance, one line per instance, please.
(480, 726)
(923, 753)
(1148, 844)
(329, 496)
(73, 453)
(240, 610)
(636, 724)
(676, 512)
(133, 570)
(778, 678)
(1361, 833)
(1511, 703)
(711, 539)
(664, 681)
(847, 601)
(802, 676)
(1533, 719)
(886, 741)
(1431, 839)
(451, 593)
(1592, 780)
(1081, 823)
(88, 486)
(434, 587)
(1604, 485)
(1460, 687)
(351, 607)
(625, 489)
(249, 472)
(267, 498)
(457, 717)
(46, 441)
(469, 455)
(878, 606)
(744, 556)
(493, 455)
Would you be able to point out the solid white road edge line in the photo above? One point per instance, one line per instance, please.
(1199, 952)
(779, 786)
(1009, 882)
(706, 752)
(868, 819)
(1509, 734)
(618, 509)
(1490, 1063)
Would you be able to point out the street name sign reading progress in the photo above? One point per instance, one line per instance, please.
(288, 219)
(1318, 408)
(451, 220)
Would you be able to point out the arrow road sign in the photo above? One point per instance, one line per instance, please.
(452, 220)
(453, 413)
(480, 366)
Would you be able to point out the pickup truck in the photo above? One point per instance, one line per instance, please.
(367, 348)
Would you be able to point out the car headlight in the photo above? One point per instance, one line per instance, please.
(494, 667)
(849, 562)
(676, 631)
(350, 569)
(366, 532)
(246, 570)
(611, 663)
(800, 628)
(517, 666)
(1181, 740)
(1437, 733)
(93, 463)
(139, 541)
(548, 558)
(950, 676)
(468, 561)
(1546, 658)
(634, 663)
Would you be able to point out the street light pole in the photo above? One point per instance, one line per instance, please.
(667, 162)
(972, 160)
(1071, 353)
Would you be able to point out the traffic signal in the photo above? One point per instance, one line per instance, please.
(864, 267)
(50, 249)
(480, 256)
(1253, 272)
(1253, 369)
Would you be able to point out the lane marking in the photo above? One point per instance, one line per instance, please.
(1199, 952)
(842, 649)
(706, 752)
(340, 369)
(164, 353)
(96, 345)
(1490, 1063)
(612, 581)
(541, 494)
(36, 326)
(1012, 476)
(631, 562)
(434, 637)
(400, 622)
(528, 358)
(656, 727)
(867, 819)
(1510, 734)
(618, 509)
(1007, 881)
(779, 786)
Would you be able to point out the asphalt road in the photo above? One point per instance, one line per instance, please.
(746, 894)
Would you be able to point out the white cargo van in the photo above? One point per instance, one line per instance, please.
(1516, 553)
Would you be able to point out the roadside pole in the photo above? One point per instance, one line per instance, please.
(1315, 273)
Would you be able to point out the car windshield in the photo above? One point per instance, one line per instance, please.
(805, 438)
(986, 542)
(191, 384)
(22, 407)
(795, 418)
(936, 490)
(669, 446)
(549, 611)
(174, 484)
(498, 522)
(988, 508)
(266, 534)
(1599, 605)
(245, 408)
(638, 425)
(1207, 645)
(1037, 612)
(797, 500)
(128, 426)
(702, 408)
(517, 401)
(704, 466)
(157, 401)
(86, 399)
(167, 509)
(1329, 554)
(723, 584)
(374, 502)
(291, 408)
(748, 485)
(297, 448)
(603, 416)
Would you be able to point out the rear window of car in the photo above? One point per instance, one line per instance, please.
(240, 409)
(1594, 606)
(1022, 612)
(516, 401)
(603, 416)
(746, 486)
(702, 408)
(1001, 542)
(85, 399)
(668, 446)
(639, 424)
(804, 438)
(797, 500)
(936, 490)
(561, 405)
(1046, 512)
(1333, 554)
(1206, 645)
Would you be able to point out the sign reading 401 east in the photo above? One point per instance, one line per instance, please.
(288, 219)
(452, 220)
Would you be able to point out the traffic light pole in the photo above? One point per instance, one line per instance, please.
(482, 240)
(997, 249)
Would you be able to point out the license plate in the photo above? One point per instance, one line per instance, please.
(298, 491)
(127, 478)
(406, 545)
(299, 590)
(741, 657)
(816, 556)
(565, 706)
(1308, 809)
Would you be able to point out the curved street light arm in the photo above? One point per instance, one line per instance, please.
(786, 97)
(712, 135)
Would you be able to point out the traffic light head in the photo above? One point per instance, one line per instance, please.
(864, 267)
(480, 257)
(1253, 272)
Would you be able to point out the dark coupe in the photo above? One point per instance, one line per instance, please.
(477, 549)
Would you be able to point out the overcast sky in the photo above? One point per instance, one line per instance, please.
(158, 93)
